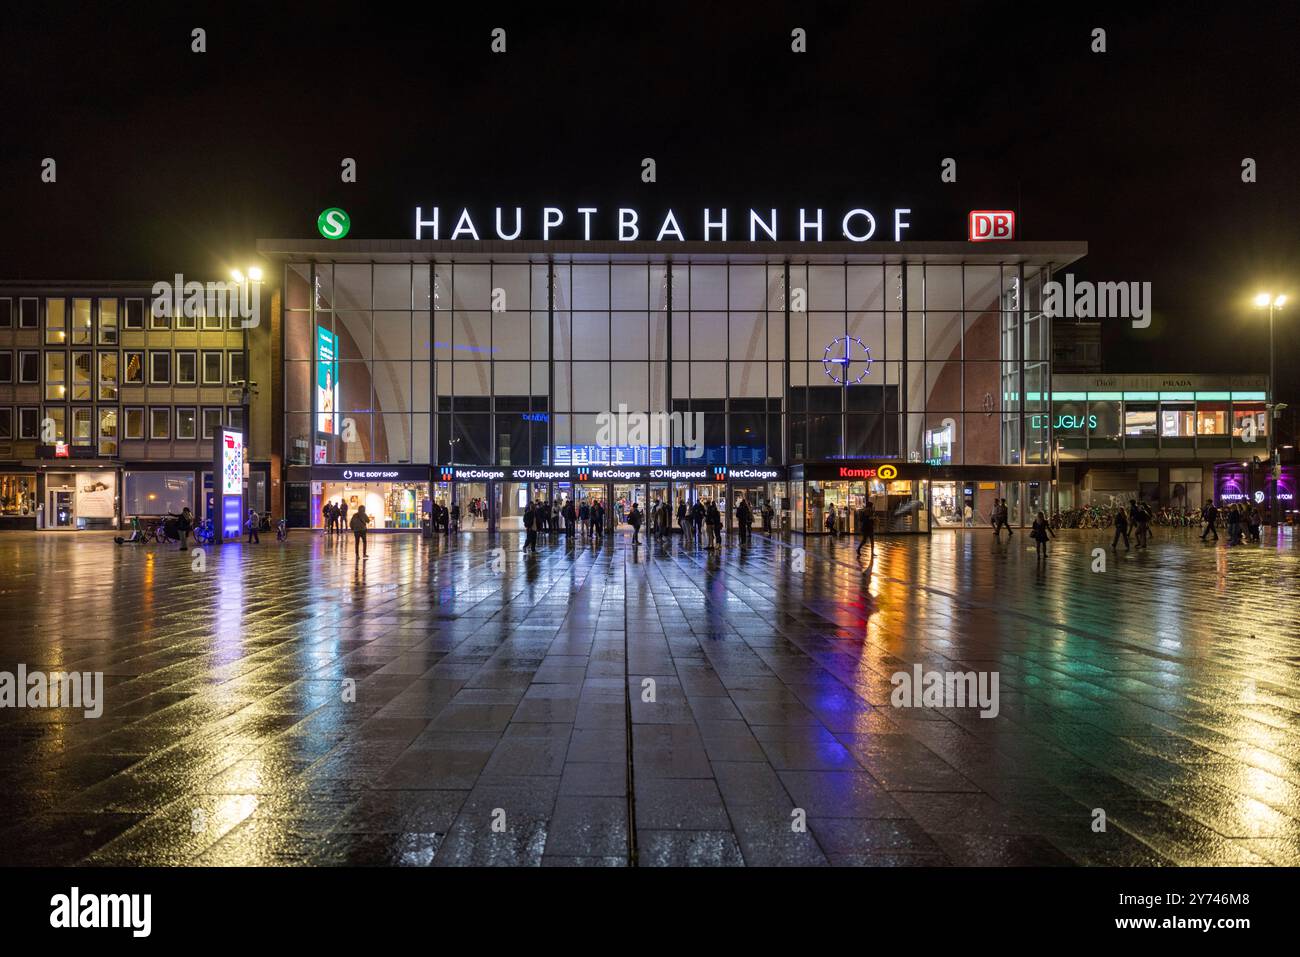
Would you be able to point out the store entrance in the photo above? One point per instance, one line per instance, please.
(961, 505)
(391, 505)
(61, 508)
(624, 495)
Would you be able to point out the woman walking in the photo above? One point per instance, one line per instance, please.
(1041, 529)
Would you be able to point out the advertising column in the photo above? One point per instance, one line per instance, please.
(228, 464)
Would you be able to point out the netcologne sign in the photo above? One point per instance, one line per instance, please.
(812, 224)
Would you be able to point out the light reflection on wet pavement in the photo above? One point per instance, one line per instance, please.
(494, 713)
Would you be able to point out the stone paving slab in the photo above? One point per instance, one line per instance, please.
(599, 705)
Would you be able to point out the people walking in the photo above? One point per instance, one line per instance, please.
(360, 522)
(570, 518)
(1234, 525)
(1039, 532)
(866, 519)
(1254, 519)
(1121, 529)
(530, 528)
(768, 513)
(252, 523)
(713, 518)
(1210, 515)
(698, 514)
(634, 519)
(683, 516)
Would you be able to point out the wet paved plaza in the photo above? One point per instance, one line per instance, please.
(441, 703)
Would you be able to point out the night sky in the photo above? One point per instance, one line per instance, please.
(174, 161)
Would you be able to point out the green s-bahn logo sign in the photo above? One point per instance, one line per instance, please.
(333, 223)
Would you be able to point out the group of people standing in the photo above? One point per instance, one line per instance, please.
(546, 516)
(1243, 522)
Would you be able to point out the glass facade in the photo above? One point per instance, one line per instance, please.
(1232, 421)
(518, 362)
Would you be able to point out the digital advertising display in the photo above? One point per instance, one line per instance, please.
(327, 381)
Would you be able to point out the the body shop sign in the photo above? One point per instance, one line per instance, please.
(228, 462)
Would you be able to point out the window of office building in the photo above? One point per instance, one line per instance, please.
(82, 423)
(29, 367)
(56, 365)
(81, 322)
(187, 423)
(56, 332)
(133, 423)
(160, 423)
(107, 431)
(108, 322)
(133, 371)
(108, 376)
(82, 377)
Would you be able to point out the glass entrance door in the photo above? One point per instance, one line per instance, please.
(62, 508)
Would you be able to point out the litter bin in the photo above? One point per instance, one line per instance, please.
(40, 516)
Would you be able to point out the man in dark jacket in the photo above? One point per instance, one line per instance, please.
(634, 519)
(713, 518)
(530, 528)
(1210, 515)
(744, 519)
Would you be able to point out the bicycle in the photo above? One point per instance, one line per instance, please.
(281, 530)
(204, 534)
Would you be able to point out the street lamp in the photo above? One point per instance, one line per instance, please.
(1272, 303)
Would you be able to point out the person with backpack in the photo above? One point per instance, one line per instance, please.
(253, 524)
(360, 522)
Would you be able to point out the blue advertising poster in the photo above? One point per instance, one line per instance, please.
(327, 380)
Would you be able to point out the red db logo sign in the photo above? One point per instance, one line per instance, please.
(991, 224)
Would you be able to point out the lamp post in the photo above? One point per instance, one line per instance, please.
(1273, 303)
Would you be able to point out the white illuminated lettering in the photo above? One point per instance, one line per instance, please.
(627, 221)
(720, 224)
(586, 220)
(756, 223)
(519, 224)
(426, 222)
(804, 224)
(871, 225)
(899, 225)
(548, 223)
(671, 220)
(464, 225)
